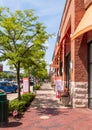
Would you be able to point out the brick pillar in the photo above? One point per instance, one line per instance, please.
(79, 74)
(63, 66)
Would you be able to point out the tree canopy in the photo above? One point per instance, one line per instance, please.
(22, 38)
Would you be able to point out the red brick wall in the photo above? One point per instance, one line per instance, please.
(73, 13)
(79, 11)
(87, 3)
(79, 47)
(81, 71)
(89, 36)
(68, 42)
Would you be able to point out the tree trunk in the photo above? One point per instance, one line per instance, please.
(18, 80)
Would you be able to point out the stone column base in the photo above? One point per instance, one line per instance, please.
(79, 94)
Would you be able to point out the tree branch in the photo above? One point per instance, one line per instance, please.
(26, 50)
(30, 39)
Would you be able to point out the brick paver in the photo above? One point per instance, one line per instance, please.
(46, 113)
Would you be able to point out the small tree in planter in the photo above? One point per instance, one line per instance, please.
(65, 96)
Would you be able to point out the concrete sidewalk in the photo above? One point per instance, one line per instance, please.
(46, 113)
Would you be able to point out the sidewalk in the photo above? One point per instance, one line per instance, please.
(46, 113)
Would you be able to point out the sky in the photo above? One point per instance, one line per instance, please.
(49, 13)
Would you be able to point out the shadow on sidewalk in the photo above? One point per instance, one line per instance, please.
(11, 124)
(51, 111)
(47, 106)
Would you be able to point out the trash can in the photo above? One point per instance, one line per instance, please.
(3, 108)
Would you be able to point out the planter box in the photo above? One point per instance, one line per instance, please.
(65, 100)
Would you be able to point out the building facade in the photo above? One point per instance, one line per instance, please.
(72, 56)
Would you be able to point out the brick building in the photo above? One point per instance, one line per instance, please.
(73, 51)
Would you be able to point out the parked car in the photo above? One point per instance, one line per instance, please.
(8, 87)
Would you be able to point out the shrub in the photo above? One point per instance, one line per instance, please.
(28, 97)
(40, 83)
(37, 87)
(21, 105)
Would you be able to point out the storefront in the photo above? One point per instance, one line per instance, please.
(73, 56)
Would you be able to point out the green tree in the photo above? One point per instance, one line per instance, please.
(20, 34)
(3, 75)
(34, 61)
(39, 70)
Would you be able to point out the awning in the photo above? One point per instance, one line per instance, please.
(85, 24)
